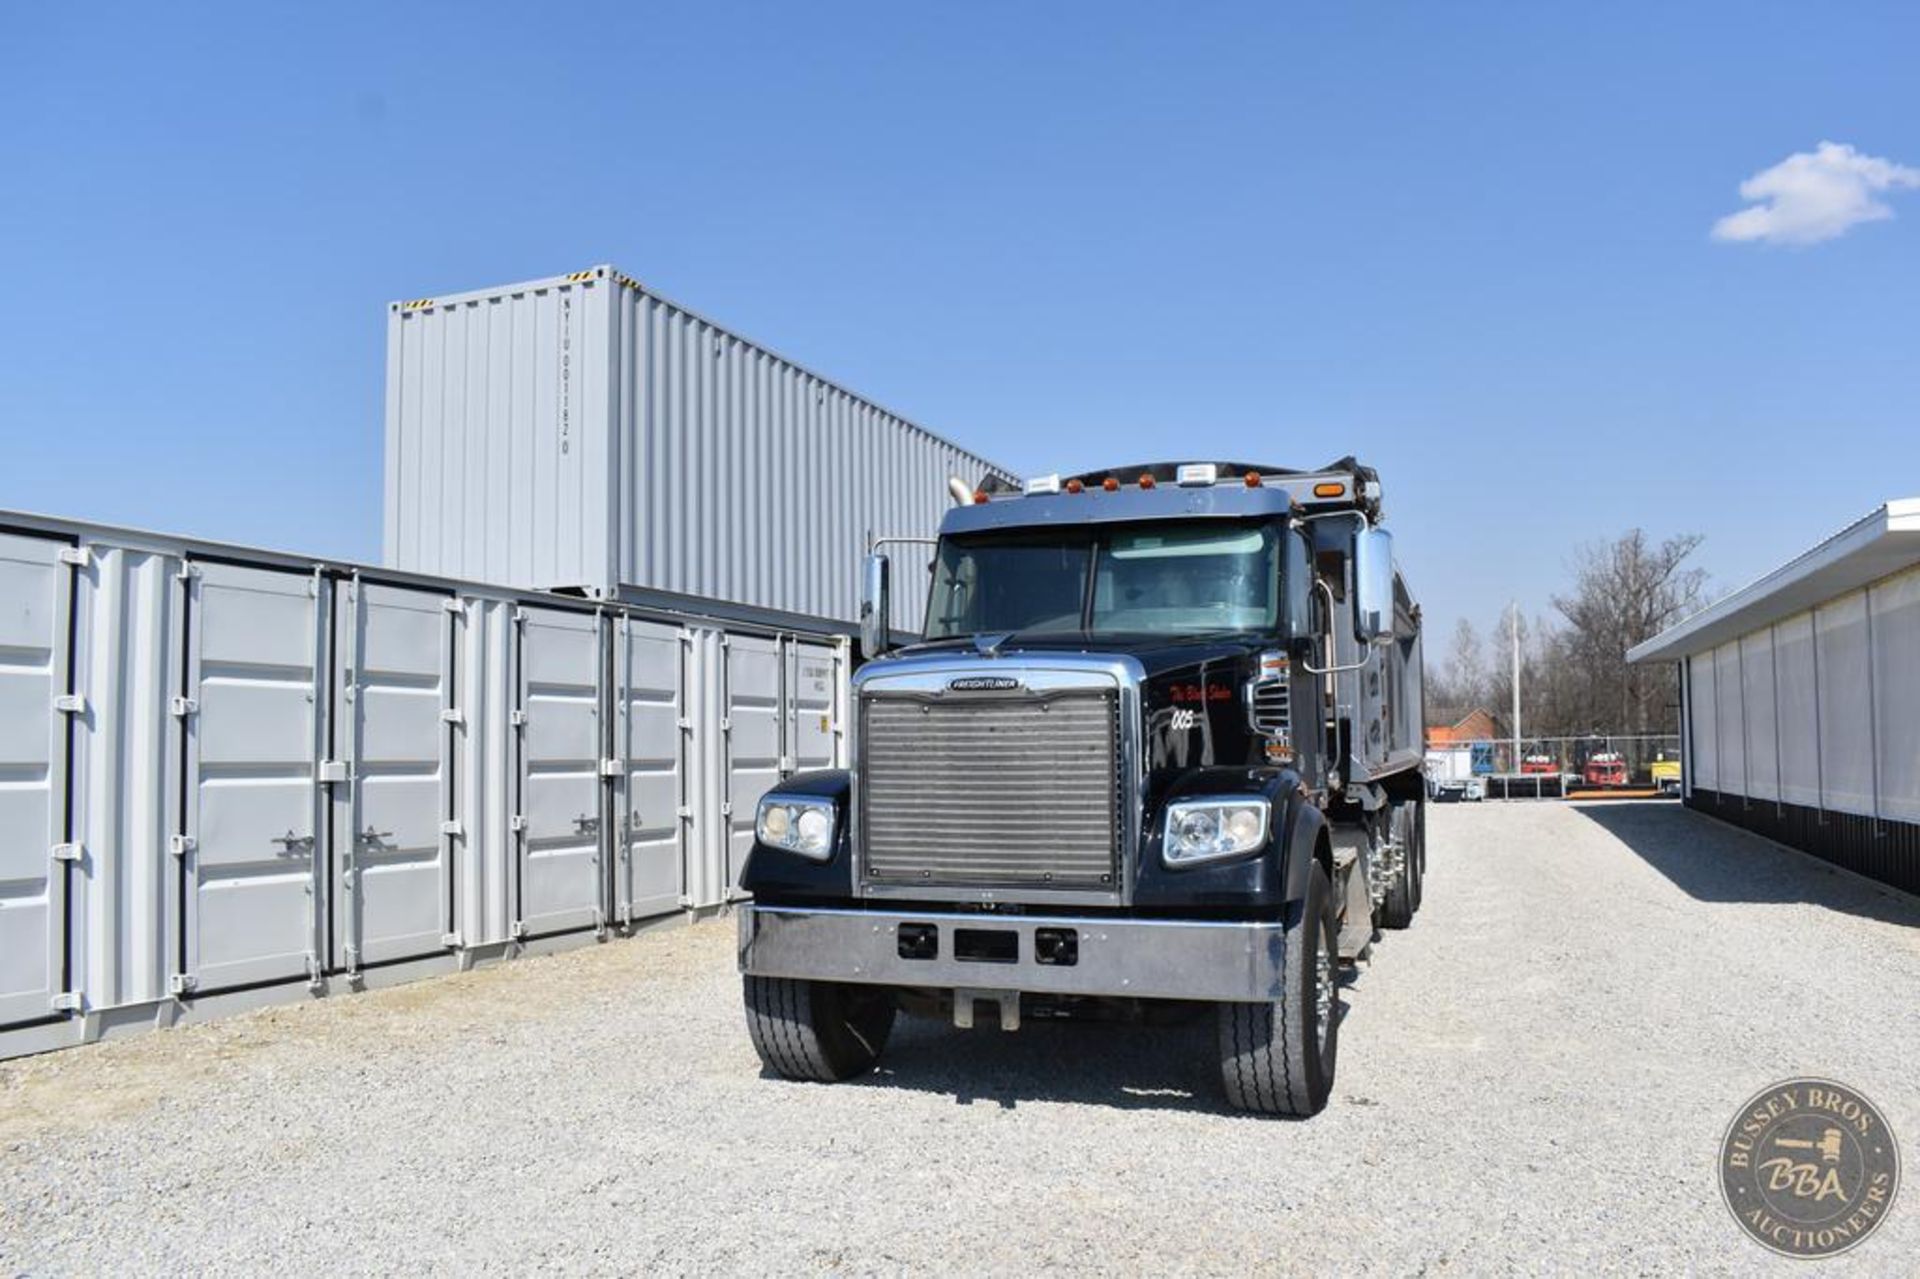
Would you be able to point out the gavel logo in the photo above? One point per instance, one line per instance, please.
(1828, 1145)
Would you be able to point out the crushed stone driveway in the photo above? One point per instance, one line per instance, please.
(1534, 1078)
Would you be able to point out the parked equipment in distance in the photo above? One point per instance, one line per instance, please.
(1608, 769)
(1160, 747)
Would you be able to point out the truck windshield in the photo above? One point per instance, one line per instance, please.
(1169, 578)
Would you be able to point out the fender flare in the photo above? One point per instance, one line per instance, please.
(1306, 825)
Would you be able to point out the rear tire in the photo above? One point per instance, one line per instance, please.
(1403, 891)
(816, 1030)
(1278, 1058)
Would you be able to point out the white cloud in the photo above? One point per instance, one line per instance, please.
(1814, 195)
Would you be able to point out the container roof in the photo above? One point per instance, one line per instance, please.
(1883, 543)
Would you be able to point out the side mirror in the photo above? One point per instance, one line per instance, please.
(1296, 583)
(876, 629)
(1373, 586)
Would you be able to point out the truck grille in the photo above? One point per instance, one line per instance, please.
(993, 790)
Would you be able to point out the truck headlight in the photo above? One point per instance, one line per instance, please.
(1200, 830)
(796, 824)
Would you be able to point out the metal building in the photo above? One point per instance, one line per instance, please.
(231, 776)
(582, 433)
(1800, 699)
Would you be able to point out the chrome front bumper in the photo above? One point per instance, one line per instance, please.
(1149, 958)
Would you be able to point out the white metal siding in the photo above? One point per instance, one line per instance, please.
(283, 773)
(499, 458)
(1732, 729)
(1846, 704)
(393, 703)
(1757, 700)
(1797, 716)
(128, 638)
(1896, 686)
(650, 674)
(1705, 721)
(560, 784)
(668, 455)
(249, 839)
(34, 589)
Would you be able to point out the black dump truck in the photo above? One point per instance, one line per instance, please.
(1157, 747)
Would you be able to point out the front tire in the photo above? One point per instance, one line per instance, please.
(815, 1030)
(1278, 1058)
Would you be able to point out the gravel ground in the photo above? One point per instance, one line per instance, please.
(1535, 1078)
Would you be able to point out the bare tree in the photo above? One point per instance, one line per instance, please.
(1624, 592)
(1460, 685)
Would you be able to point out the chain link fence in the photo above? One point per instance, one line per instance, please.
(1596, 761)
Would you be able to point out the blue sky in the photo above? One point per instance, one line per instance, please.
(1470, 243)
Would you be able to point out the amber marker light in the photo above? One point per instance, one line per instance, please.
(1074, 486)
(1146, 480)
(1253, 479)
(1329, 490)
(1110, 484)
(979, 497)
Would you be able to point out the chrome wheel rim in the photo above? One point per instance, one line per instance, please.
(1322, 995)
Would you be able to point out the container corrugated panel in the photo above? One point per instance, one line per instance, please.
(583, 432)
(234, 776)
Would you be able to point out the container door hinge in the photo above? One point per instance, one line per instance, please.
(68, 853)
(612, 767)
(520, 930)
(181, 845)
(78, 556)
(684, 723)
(684, 813)
(181, 707)
(452, 941)
(686, 901)
(70, 704)
(518, 822)
(726, 810)
(316, 979)
(453, 828)
(787, 764)
(517, 718)
(334, 770)
(453, 605)
(182, 984)
(453, 715)
(68, 1001)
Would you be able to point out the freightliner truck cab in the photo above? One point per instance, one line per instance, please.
(1158, 747)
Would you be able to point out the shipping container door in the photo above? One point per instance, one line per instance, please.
(35, 589)
(753, 746)
(651, 801)
(813, 707)
(252, 745)
(560, 786)
(395, 705)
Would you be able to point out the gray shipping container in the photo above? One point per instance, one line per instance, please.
(584, 433)
(233, 776)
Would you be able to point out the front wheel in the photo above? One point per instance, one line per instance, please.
(1278, 1058)
(817, 1030)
